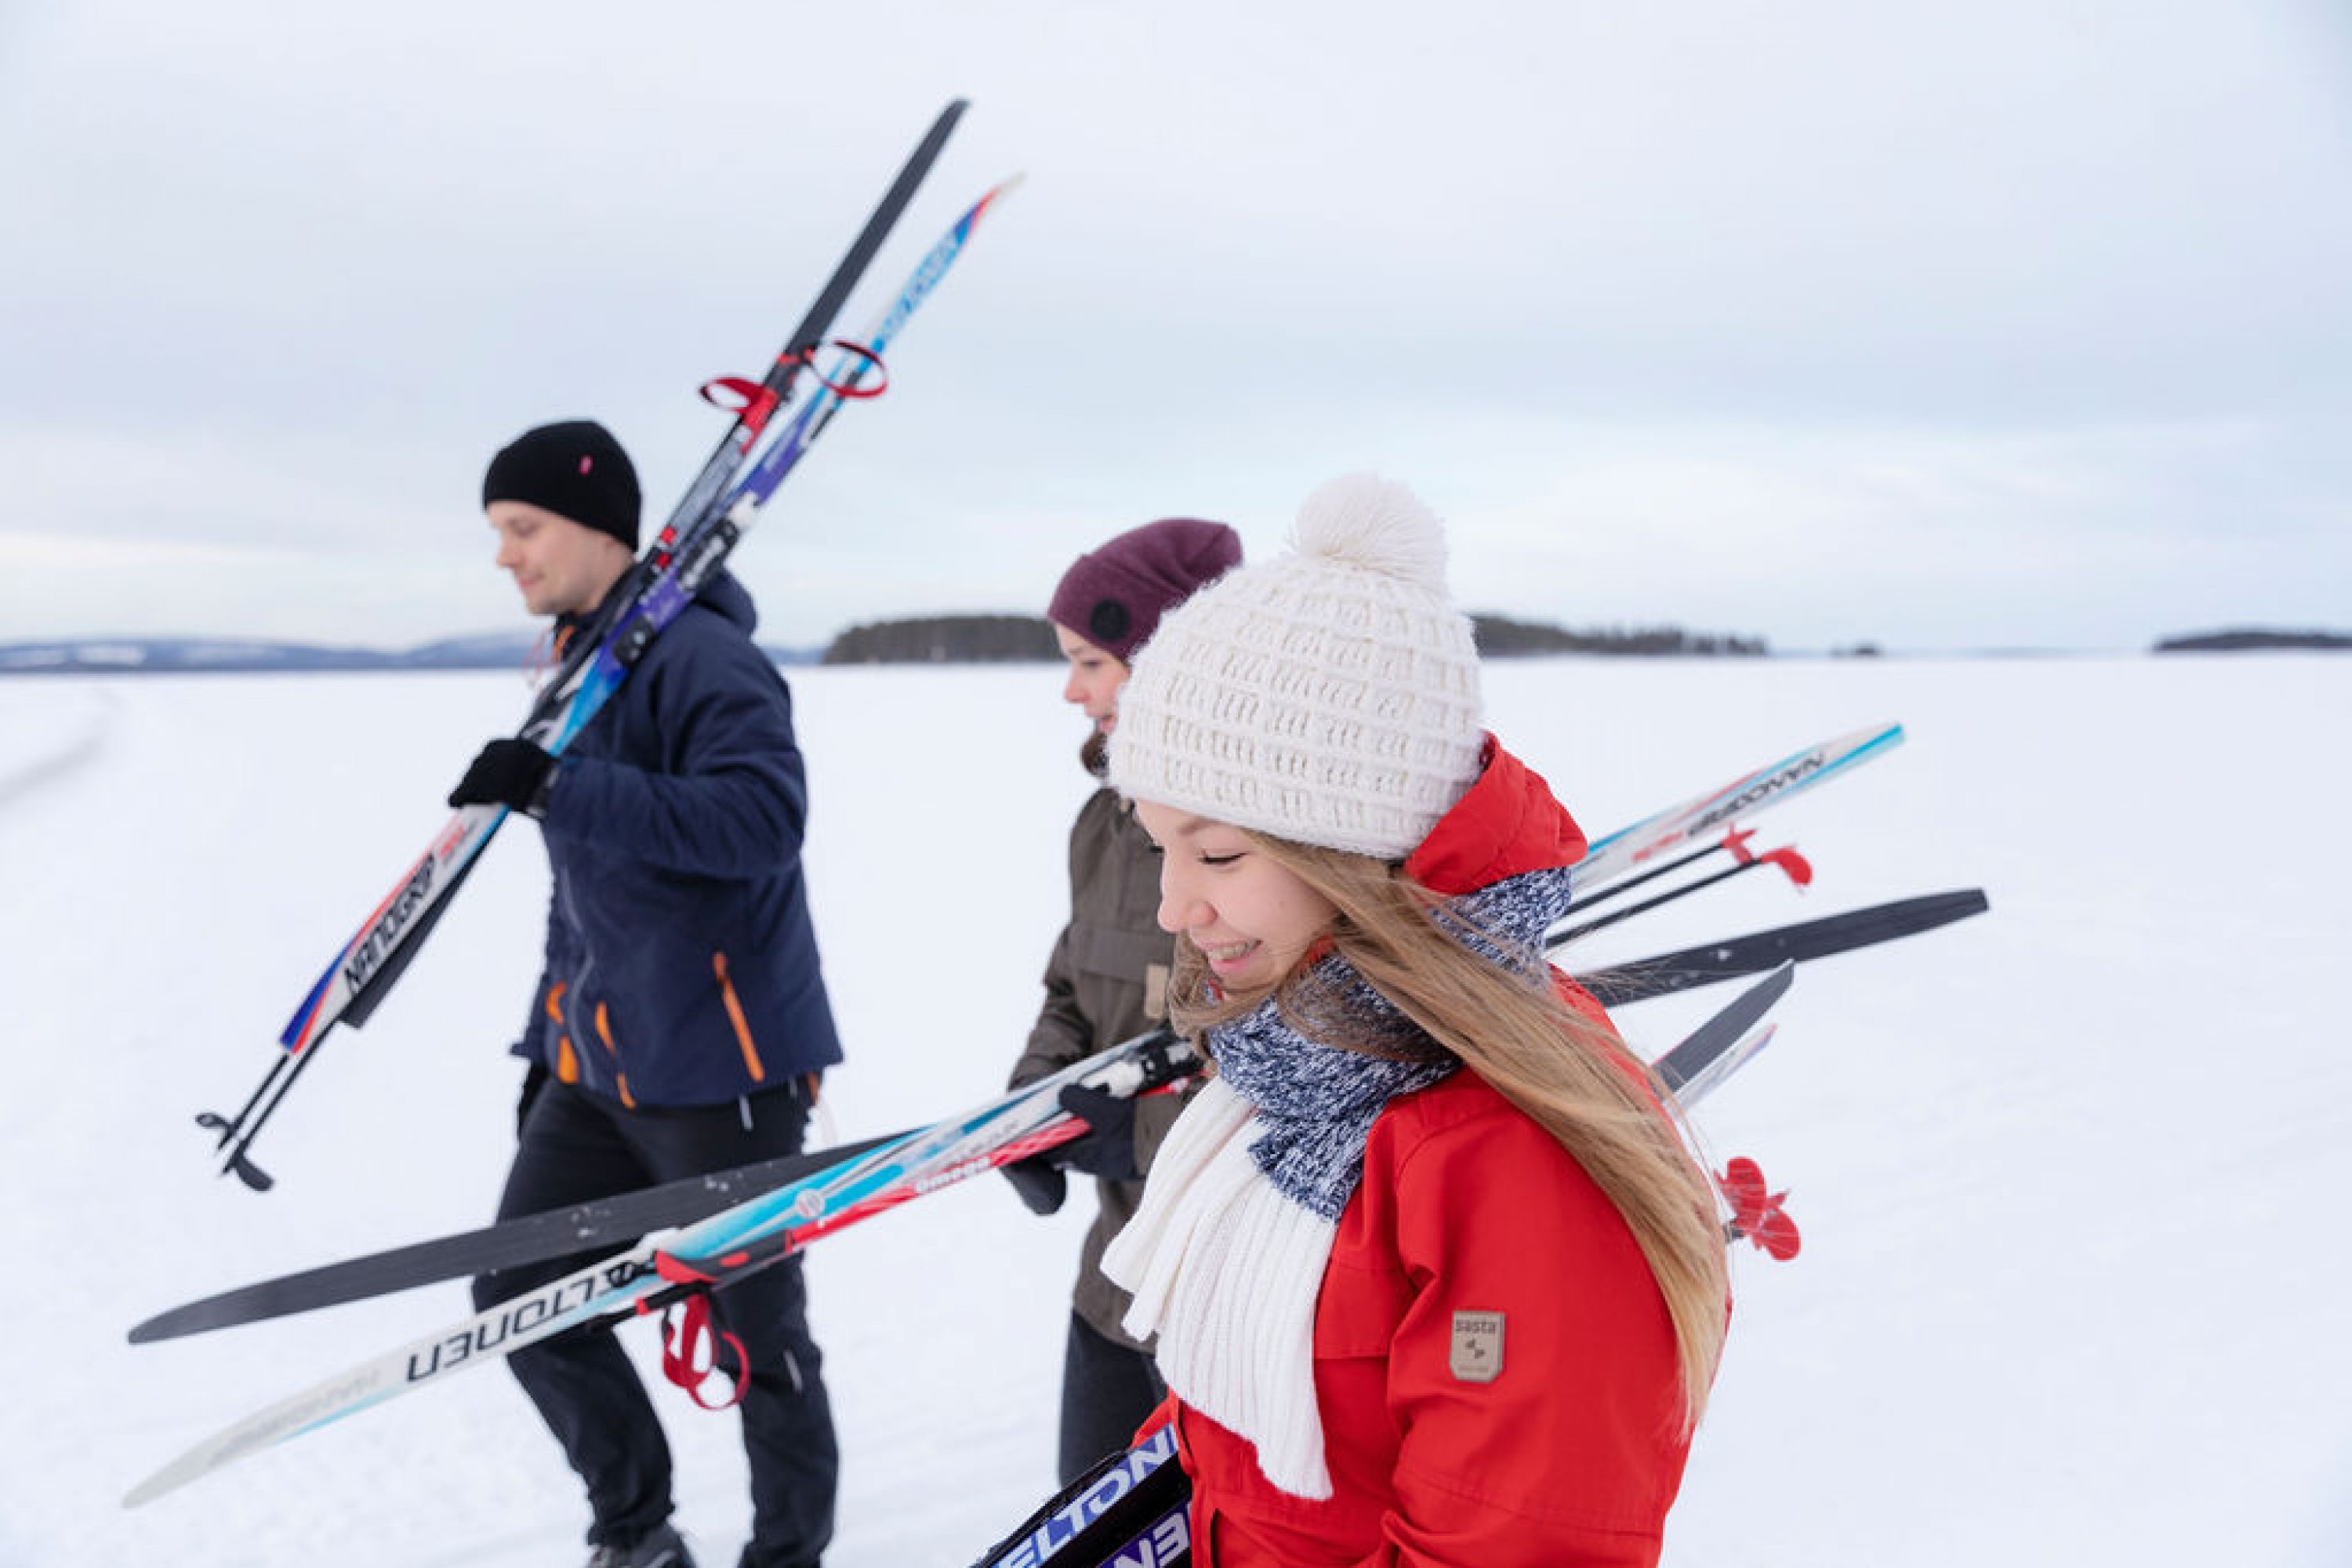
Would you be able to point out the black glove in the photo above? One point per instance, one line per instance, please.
(1107, 1149)
(1040, 1184)
(509, 771)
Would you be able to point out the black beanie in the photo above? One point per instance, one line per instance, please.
(573, 469)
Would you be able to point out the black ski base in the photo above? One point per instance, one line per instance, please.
(1760, 950)
(589, 1228)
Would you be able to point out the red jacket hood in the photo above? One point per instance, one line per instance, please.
(1507, 823)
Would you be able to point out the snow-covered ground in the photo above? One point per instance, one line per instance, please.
(2071, 1291)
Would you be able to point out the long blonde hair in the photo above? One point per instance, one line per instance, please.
(1507, 1023)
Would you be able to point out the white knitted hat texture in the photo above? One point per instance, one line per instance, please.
(1226, 1270)
(1327, 696)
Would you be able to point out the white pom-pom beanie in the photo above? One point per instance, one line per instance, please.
(1328, 697)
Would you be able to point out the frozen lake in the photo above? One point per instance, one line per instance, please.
(2070, 1291)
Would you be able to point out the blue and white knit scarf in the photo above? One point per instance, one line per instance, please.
(1226, 1255)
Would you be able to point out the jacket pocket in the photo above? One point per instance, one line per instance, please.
(1358, 1311)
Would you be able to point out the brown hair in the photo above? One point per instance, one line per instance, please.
(1505, 1021)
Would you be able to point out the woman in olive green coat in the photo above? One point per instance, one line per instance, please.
(1108, 978)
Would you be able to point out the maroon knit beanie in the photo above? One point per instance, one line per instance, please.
(574, 470)
(1114, 594)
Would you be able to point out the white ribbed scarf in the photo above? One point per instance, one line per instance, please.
(1226, 1270)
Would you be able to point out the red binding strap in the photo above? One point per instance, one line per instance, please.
(848, 386)
(690, 1357)
(753, 405)
(1756, 1212)
(1794, 866)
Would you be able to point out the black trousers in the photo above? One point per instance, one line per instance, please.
(576, 1147)
(1108, 1391)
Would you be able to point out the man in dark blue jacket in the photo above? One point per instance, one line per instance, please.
(681, 1024)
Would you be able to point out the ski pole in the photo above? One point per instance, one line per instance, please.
(1792, 865)
(1731, 843)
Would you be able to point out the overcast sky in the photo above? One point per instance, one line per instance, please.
(1995, 323)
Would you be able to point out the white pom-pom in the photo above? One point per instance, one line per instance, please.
(1360, 519)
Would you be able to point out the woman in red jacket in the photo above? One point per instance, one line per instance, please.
(1433, 1277)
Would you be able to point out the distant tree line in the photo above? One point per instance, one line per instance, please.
(2247, 638)
(947, 639)
(1499, 636)
(1001, 639)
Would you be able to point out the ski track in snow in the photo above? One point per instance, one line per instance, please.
(2069, 1292)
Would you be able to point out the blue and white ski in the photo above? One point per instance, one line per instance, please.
(372, 959)
(1626, 851)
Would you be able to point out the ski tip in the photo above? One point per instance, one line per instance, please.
(1867, 742)
(170, 1479)
(943, 124)
(1775, 984)
(1709, 1078)
(174, 1322)
(999, 191)
(1929, 910)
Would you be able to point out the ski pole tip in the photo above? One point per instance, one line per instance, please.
(246, 1171)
